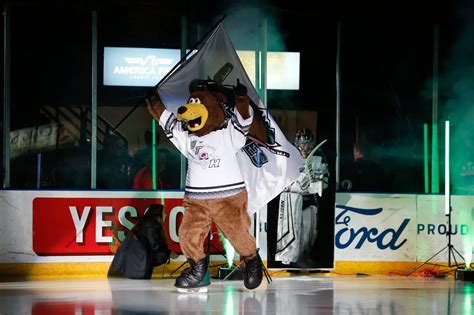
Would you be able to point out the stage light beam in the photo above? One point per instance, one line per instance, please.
(446, 170)
(228, 249)
(426, 159)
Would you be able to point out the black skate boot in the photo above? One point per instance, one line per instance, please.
(195, 277)
(253, 272)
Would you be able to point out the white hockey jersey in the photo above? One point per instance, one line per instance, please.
(213, 170)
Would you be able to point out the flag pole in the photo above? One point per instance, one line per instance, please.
(167, 75)
(263, 82)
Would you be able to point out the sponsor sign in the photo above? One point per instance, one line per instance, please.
(372, 227)
(126, 66)
(38, 226)
(95, 226)
(375, 227)
(137, 66)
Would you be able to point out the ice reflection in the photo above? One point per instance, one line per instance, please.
(292, 295)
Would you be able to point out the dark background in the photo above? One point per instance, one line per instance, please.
(386, 51)
(386, 55)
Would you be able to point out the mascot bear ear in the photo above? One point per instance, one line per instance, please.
(203, 85)
(195, 85)
(240, 89)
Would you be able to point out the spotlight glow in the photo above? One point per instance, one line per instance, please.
(426, 159)
(467, 306)
(229, 250)
(468, 256)
(229, 301)
(446, 169)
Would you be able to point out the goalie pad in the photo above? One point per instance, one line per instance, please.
(288, 232)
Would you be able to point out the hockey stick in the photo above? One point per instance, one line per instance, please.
(314, 151)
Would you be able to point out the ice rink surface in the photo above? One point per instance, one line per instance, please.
(297, 294)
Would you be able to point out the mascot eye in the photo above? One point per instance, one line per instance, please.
(194, 100)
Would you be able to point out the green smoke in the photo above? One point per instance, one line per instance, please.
(458, 89)
(244, 24)
(458, 85)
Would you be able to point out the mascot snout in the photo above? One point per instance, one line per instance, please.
(194, 114)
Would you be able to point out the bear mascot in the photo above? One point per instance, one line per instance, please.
(209, 131)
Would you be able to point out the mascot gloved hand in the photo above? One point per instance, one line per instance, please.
(209, 134)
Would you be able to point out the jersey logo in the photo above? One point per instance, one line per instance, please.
(255, 153)
(199, 151)
(214, 163)
(203, 156)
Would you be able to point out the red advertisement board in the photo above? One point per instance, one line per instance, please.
(95, 226)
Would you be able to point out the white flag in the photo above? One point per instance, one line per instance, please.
(267, 166)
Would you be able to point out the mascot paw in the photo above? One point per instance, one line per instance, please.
(155, 106)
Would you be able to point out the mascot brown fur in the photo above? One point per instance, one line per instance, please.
(209, 135)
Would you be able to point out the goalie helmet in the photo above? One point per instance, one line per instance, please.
(304, 141)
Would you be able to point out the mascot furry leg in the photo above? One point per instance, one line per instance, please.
(231, 217)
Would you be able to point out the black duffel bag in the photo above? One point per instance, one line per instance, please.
(133, 259)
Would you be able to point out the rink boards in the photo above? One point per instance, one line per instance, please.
(392, 234)
(64, 232)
